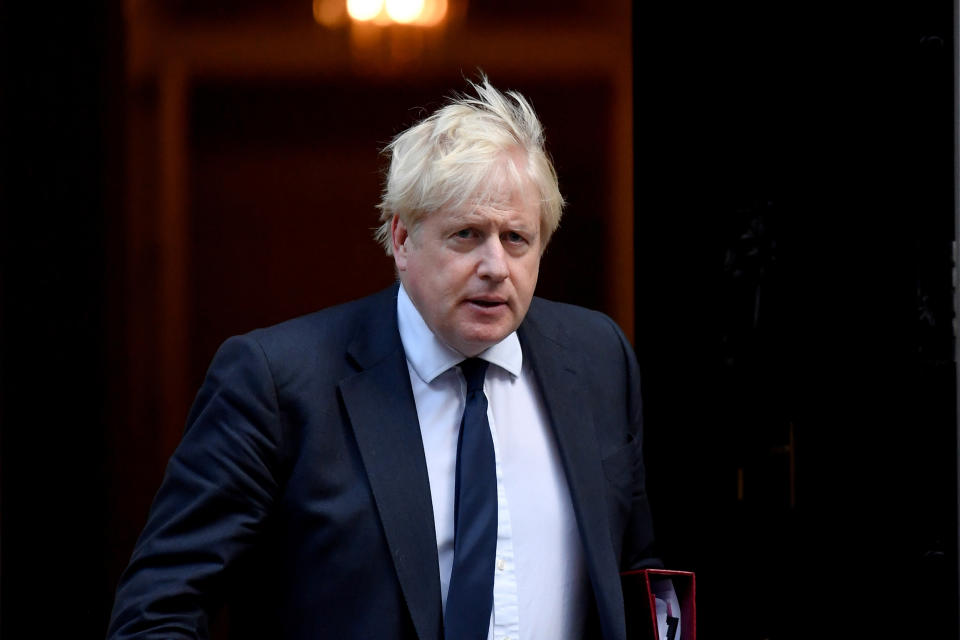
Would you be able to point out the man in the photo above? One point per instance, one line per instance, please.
(449, 458)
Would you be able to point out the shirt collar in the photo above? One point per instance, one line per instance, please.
(429, 356)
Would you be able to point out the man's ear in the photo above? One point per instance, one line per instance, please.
(400, 235)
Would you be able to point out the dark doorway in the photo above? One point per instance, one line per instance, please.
(794, 229)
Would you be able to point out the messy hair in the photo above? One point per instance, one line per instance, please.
(456, 156)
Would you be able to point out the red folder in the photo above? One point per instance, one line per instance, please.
(639, 588)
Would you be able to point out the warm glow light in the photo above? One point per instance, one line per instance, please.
(383, 13)
(434, 11)
(404, 11)
(329, 13)
(364, 9)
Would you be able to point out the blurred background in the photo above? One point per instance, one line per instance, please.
(763, 197)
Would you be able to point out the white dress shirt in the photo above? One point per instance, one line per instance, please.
(540, 579)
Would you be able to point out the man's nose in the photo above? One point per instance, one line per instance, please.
(493, 260)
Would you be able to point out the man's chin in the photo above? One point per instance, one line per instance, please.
(474, 343)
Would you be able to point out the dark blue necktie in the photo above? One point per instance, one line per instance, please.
(470, 597)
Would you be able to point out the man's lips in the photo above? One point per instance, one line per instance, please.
(487, 303)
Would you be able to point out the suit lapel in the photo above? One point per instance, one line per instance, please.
(556, 370)
(383, 414)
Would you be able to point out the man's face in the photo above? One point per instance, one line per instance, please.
(471, 273)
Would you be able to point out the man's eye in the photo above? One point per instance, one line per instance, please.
(465, 234)
(515, 237)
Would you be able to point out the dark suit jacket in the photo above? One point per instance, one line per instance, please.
(300, 493)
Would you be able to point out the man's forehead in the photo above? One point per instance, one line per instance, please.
(513, 195)
(485, 212)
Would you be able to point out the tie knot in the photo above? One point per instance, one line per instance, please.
(474, 369)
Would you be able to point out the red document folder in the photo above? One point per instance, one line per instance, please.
(639, 588)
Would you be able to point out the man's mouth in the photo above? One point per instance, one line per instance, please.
(486, 303)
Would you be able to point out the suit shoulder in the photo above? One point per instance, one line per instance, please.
(322, 333)
(578, 329)
(569, 318)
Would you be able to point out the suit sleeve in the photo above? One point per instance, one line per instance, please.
(638, 542)
(218, 489)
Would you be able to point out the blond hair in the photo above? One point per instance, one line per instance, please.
(452, 157)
